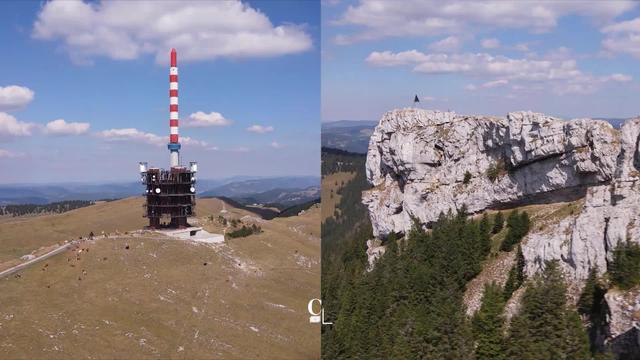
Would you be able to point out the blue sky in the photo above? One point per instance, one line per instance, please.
(567, 59)
(103, 70)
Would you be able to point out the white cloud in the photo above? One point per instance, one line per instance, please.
(200, 30)
(448, 44)
(260, 129)
(141, 137)
(61, 127)
(558, 70)
(132, 135)
(618, 78)
(241, 149)
(478, 64)
(524, 47)
(488, 85)
(387, 58)
(15, 97)
(376, 19)
(9, 154)
(495, 83)
(276, 145)
(492, 43)
(188, 141)
(623, 37)
(10, 126)
(201, 119)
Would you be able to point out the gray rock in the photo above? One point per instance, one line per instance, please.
(417, 161)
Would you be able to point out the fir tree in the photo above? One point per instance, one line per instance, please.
(625, 267)
(498, 222)
(488, 325)
(577, 341)
(485, 235)
(551, 329)
(592, 294)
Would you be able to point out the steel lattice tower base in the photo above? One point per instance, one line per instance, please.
(170, 197)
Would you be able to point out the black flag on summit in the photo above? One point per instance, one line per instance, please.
(416, 100)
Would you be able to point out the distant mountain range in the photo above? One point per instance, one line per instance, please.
(353, 135)
(281, 198)
(285, 188)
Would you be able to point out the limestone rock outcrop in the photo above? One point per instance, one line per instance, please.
(422, 163)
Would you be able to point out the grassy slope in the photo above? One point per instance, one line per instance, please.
(20, 236)
(157, 299)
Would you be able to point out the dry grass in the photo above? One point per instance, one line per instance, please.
(330, 185)
(22, 235)
(158, 300)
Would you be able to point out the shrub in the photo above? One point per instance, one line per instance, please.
(467, 177)
(245, 231)
(496, 170)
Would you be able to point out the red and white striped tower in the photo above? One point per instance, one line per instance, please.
(174, 143)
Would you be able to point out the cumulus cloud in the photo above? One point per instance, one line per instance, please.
(448, 44)
(10, 126)
(558, 69)
(388, 58)
(136, 136)
(200, 30)
(260, 129)
(132, 135)
(617, 77)
(376, 19)
(61, 127)
(276, 145)
(623, 37)
(488, 85)
(186, 140)
(492, 43)
(15, 97)
(201, 119)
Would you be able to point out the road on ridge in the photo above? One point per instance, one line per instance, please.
(51, 253)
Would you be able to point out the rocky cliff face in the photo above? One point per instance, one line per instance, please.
(418, 160)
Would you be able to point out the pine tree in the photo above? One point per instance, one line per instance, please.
(518, 224)
(553, 330)
(498, 222)
(525, 224)
(485, 233)
(520, 345)
(625, 267)
(587, 302)
(520, 266)
(511, 285)
(577, 341)
(488, 325)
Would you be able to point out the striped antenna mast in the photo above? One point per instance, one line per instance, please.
(174, 141)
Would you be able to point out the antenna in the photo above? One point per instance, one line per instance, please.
(174, 143)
